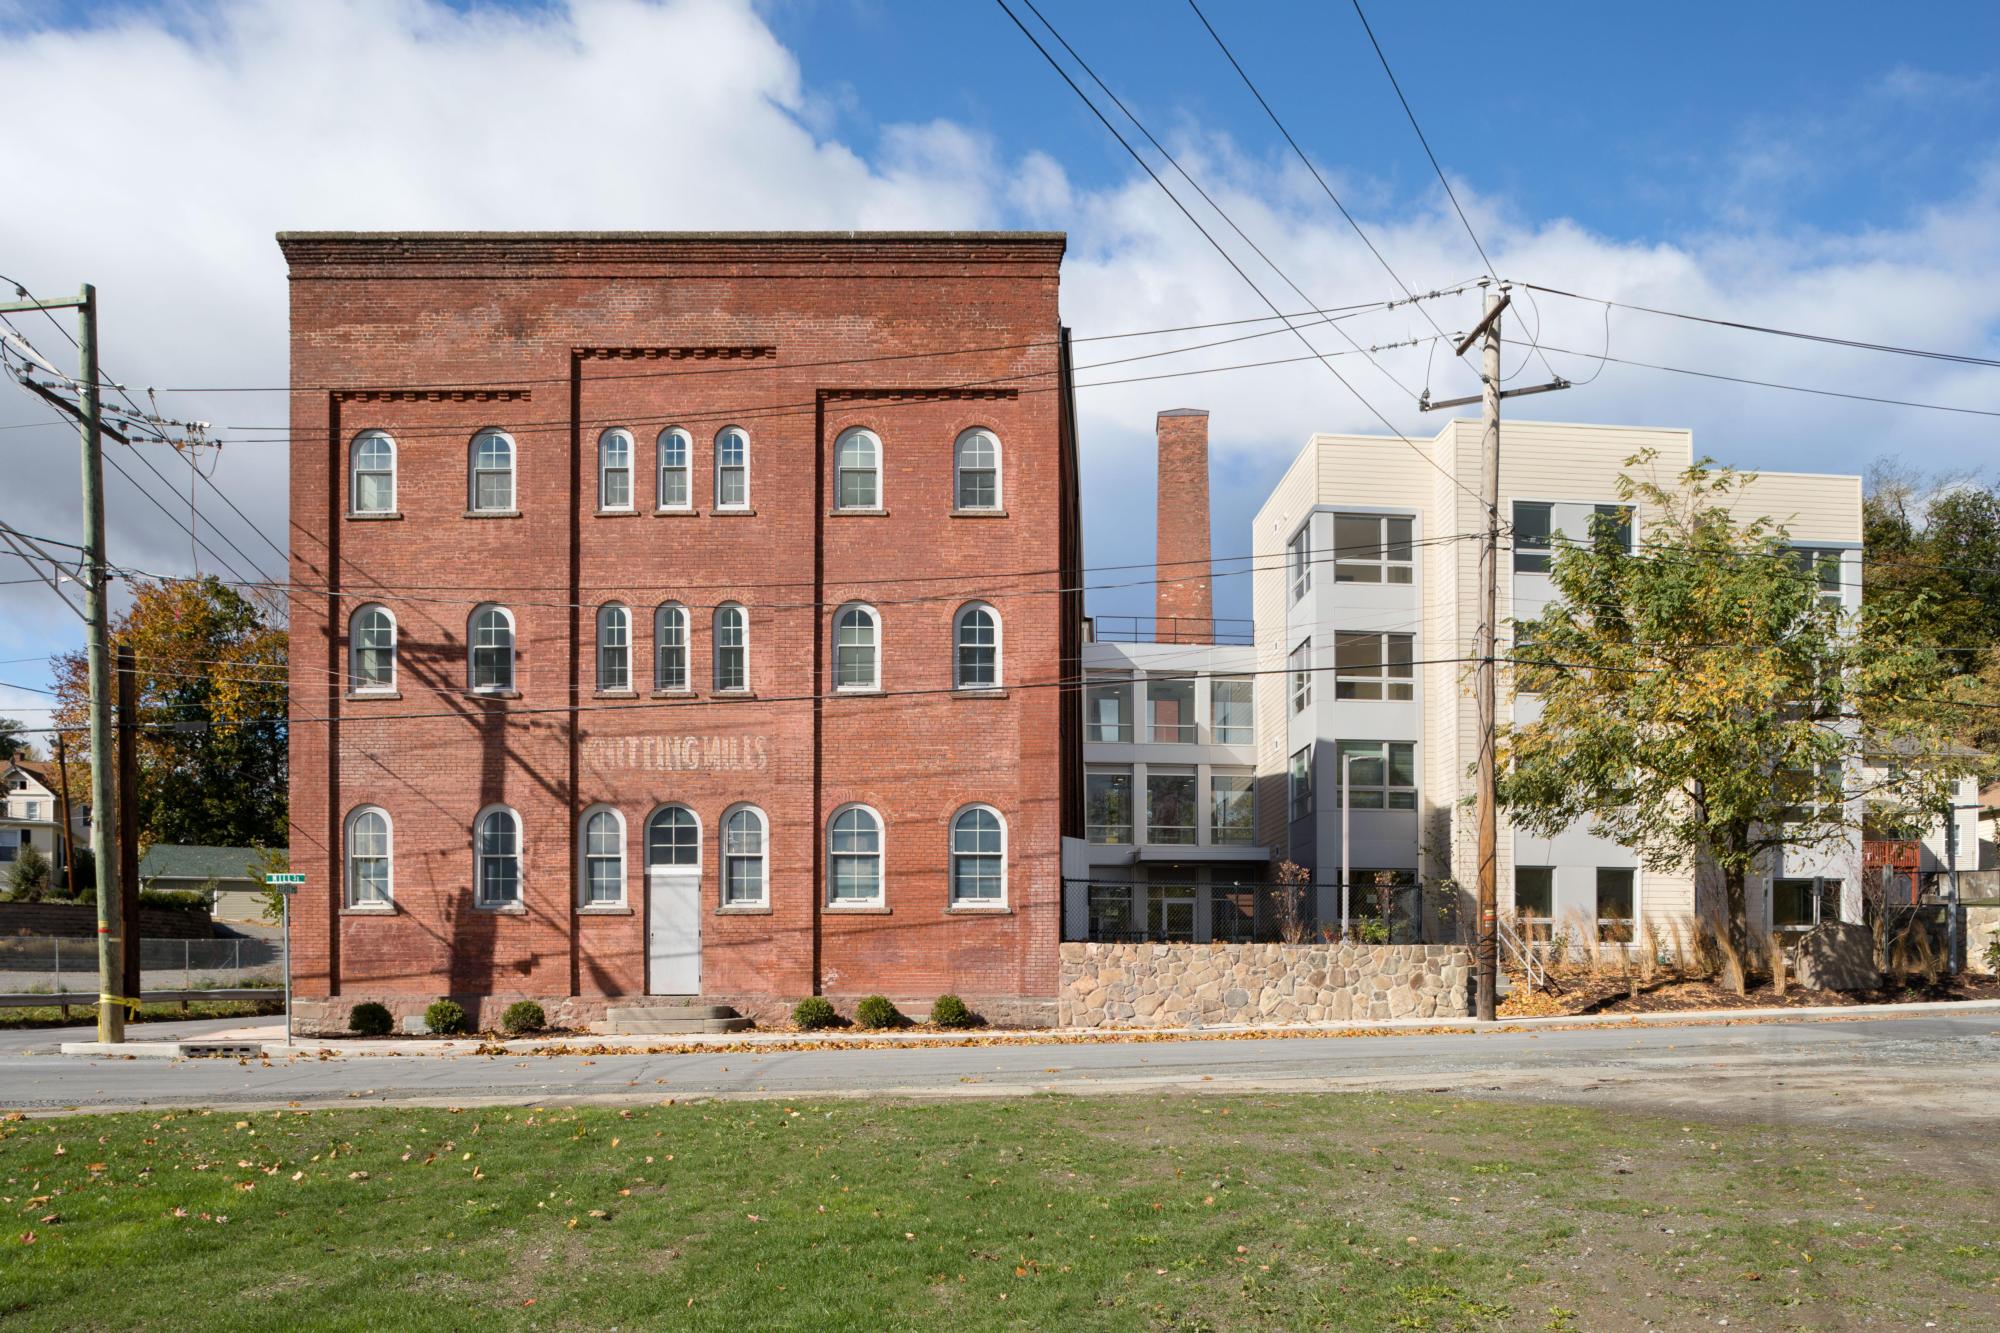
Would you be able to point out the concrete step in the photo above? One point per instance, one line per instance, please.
(669, 1017)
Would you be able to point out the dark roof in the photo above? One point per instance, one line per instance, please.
(168, 861)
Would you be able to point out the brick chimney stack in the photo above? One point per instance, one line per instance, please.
(1184, 601)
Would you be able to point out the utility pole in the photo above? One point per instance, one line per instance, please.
(1487, 944)
(68, 819)
(128, 813)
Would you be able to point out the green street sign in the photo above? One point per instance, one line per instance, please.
(291, 878)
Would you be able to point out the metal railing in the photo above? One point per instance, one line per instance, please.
(1172, 629)
(1238, 912)
(56, 966)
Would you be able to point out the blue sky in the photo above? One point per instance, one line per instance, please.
(1826, 166)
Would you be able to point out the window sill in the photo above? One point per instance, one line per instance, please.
(619, 909)
(858, 692)
(360, 696)
(744, 911)
(979, 513)
(967, 909)
(858, 909)
(375, 516)
(876, 512)
(676, 511)
(720, 512)
(731, 694)
(614, 694)
(492, 513)
(980, 692)
(673, 694)
(389, 910)
(616, 513)
(501, 909)
(492, 694)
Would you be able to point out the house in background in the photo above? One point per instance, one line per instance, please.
(232, 877)
(32, 815)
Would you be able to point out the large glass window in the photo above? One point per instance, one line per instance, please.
(732, 469)
(1170, 710)
(1299, 664)
(1299, 780)
(854, 858)
(372, 645)
(1107, 797)
(1614, 904)
(732, 647)
(1232, 809)
(492, 472)
(1373, 666)
(1110, 910)
(1383, 775)
(492, 641)
(977, 469)
(603, 858)
(1298, 560)
(614, 648)
(1232, 707)
(1801, 904)
(369, 875)
(497, 874)
(673, 838)
(978, 858)
(614, 469)
(1170, 805)
(857, 470)
(675, 447)
(1534, 531)
(856, 662)
(1372, 548)
(976, 648)
(743, 854)
(1822, 565)
(670, 647)
(1535, 895)
(1107, 706)
(1612, 525)
(373, 489)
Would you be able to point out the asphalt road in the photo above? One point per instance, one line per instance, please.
(1932, 1073)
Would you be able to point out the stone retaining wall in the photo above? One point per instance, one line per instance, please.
(322, 1017)
(1982, 927)
(1198, 985)
(79, 920)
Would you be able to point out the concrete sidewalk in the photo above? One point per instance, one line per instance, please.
(268, 1040)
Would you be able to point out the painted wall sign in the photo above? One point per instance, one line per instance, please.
(679, 754)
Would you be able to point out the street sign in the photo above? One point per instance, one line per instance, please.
(288, 882)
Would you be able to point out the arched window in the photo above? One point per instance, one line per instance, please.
(744, 850)
(370, 867)
(857, 662)
(614, 469)
(373, 488)
(732, 468)
(492, 638)
(496, 856)
(675, 450)
(976, 647)
(977, 468)
(371, 649)
(673, 839)
(978, 858)
(732, 647)
(603, 866)
(670, 647)
(493, 472)
(614, 647)
(857, 470)
(854, 858)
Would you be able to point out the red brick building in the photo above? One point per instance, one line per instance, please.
(680, 614)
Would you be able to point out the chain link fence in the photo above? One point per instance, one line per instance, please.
(55, 965)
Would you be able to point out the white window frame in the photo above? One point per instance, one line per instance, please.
(880, 856)
(672, 611)
(1386, 567)
(959, 469)
(721, 468)
(1246, 732)
(685, 469)
(1299, 796)
(873, 470)
(874, 681)
(1298, 667)
(1351, 682)
(958, 623)
(511, 471)
(355, 472)
(952, 854)
(479, 856)
(1214, 826)
(356, 682)
(763, 857)
(1298, 561)
(606, 469)
(1386, 788)
(647, 842)
(614, 619)
(472, 650)
(715, 664)
(387, 903)
(584, 857)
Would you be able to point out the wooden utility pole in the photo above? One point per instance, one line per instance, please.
(128, 812)
(69, 841)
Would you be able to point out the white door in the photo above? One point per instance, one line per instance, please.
(673, 945)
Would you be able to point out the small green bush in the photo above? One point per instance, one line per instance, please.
(813, 1013)
(445, 1018)
(369, 1019)
(173, 900)
(524, 1016)
(876, 1012)
(948, 1011)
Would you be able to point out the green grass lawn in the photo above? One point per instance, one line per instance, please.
(51, 1016)
(1173, 1212)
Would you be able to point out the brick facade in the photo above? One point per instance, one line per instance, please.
(1184, 602)
(793, 339)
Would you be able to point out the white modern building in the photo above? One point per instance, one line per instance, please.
(1366, 610)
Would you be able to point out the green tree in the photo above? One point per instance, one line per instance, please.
(1702, 704)
(211, 704)
(28, 877)
(14, 741)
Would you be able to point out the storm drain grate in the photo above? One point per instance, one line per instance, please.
(235, 1050)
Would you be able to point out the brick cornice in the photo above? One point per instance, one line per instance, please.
(754, 352)
(921, 394)
(664, 254)
(433, 395)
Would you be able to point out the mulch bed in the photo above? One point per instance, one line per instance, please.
(1584, 991)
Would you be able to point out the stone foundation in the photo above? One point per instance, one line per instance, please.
(322, 1017)
(1199, 985)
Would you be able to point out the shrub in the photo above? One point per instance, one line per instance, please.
(174, 900)
(369, 1019)
(1374, 931)
(524, 1016)
(948, 1011)
(445, 1018)
(29, 876)
(813, 1013)
(876, 1012)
